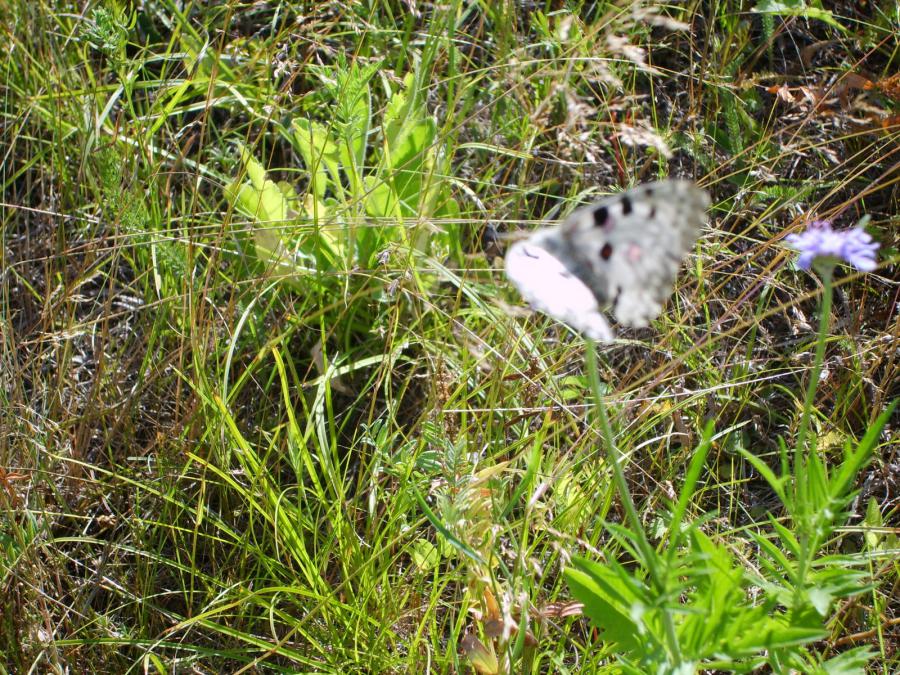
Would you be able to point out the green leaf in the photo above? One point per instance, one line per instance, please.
(788, 539)
(405, 164)
(402, 108)
(610, 602)
(447, 207)
(424, 554)
(278, 238)
(776, 483)
(769, 635)
(264, 201)
(854, 460)
(381, 200)
(690, 483)
(616, 626)
(444, 530)
(320, 154)
(820, 599)
(797, 8)
(851, 662)
(873, 522)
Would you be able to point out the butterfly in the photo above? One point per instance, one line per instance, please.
(620, 254)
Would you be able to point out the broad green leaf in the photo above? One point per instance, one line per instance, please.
(851, 662)
(797, 8)
(401, 109)
(616, 625)
(820, 599)
(320, 154)
(263, 201)
(381, 200)
(405, 165)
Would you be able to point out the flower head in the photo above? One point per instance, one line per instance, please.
(819, 241)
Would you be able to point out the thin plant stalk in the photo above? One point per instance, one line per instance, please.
(615, 458)
(801, 451)
(824, 319)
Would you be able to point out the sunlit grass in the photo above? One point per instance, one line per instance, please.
(302, 426)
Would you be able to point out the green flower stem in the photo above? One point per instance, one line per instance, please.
(615, 461)
(826, 271)
(802, 501)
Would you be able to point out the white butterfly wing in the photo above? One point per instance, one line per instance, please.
(549, 287)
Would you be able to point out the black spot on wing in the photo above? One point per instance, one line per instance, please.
(652, 212)
(601, 216)
(606, 252)
(626, 205)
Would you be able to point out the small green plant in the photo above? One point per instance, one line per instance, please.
(377, 202)
(691, 607)
(370, 187)
(107, 31)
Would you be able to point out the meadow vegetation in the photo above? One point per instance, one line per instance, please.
(269, 404)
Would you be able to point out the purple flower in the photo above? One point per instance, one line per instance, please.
(853, 246)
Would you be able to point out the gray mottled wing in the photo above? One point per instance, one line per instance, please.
(628, 248)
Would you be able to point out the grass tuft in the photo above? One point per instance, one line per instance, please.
(268, 403)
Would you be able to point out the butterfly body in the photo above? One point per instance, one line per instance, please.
(620, 254)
